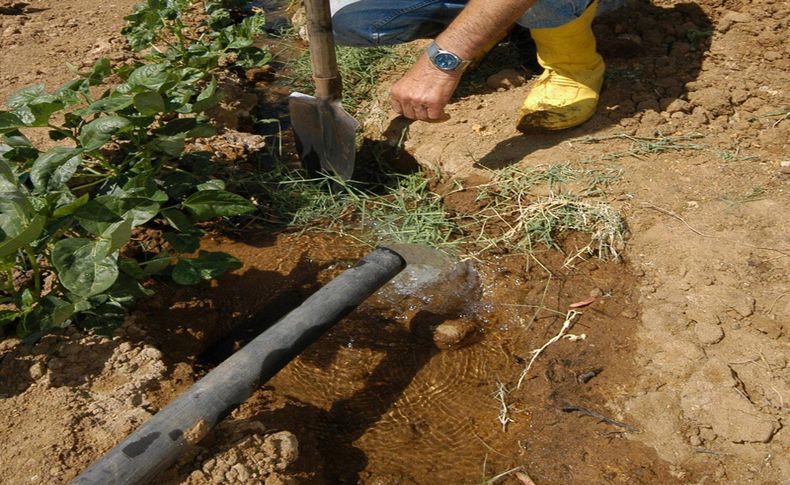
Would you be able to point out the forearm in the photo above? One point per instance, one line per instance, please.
(479, 23)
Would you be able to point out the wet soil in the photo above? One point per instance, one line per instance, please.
(686, 341)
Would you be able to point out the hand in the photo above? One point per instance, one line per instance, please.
(424, 91)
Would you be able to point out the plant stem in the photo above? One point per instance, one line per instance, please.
(10, 281)
(31, 256)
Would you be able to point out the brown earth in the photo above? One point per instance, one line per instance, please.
(686, 342)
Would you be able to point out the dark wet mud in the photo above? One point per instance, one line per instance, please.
(375, 400)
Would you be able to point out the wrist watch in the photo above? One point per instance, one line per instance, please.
(446, 60)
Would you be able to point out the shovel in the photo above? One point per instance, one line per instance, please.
(325, 132)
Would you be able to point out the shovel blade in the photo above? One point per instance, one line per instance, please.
(324, 131)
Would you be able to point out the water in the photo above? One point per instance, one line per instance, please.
(441, 283)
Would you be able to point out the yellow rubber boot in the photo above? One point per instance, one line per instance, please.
(566, 94)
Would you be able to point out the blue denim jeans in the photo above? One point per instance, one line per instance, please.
(365, 23)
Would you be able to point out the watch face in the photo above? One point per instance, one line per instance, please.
(445, 61)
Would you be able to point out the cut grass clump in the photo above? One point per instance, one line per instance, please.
(523, 209)
(404, 212)
(642, 146)
(519, 211)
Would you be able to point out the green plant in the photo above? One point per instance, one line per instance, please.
(404, 212)
(218, 41)
(732, 201)
(67, 213)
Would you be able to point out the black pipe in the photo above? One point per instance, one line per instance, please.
(158, 443)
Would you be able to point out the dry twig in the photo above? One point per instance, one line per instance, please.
(566, 325)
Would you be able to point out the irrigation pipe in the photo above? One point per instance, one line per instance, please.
(158, 443)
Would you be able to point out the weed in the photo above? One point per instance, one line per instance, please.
(734, 200)
(405, 212)
(360, 68)
(642, 146)
(510, 216)
(734, 155)
(513, 218)
(780, 116)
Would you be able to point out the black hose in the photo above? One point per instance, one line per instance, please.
(158, 443)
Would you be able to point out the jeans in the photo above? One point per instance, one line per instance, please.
(366, 23)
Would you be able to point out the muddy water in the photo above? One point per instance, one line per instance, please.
(374, 400)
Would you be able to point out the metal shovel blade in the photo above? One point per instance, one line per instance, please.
(324, 131)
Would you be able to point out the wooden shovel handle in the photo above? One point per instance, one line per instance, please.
(322, 49)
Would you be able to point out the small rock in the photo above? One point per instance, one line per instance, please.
(784, 167)
(506, 79)
(679, 106)
(630, 313)
(12, 30)
(452, 333)
(731, 18)
(708, 333)
(695, 441)
(283, 447)
(37, 371)
(596, 293)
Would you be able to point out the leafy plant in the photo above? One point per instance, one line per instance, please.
(217, 41)
(67, 213)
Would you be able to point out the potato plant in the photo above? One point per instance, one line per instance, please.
(68, 213)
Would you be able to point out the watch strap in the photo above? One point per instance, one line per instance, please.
(433, 50)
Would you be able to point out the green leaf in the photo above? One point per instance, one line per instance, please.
(26, 299)
(68, 92)
(149, 76)
(213, 184)
(149, 103)
(71, 207)
(17, 140)
(8, 317)
(99, 131)
(118, 234)
(33, 105)
(182, 243)
(53, 169)
(169, 145)
(110, 104)
(8, 181)
(178, 126)
(43, 110)
(59, 135)
(19, 223)
(59, 311)
(205, 267)
(85, 267)
(158, 264)
(102, 215)
(100, 70)
(208, 204)
(104, 318)
(9, 122)
(26, 236)
(131, 267)
(208, 98)
(202, 130)
(179, 221)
